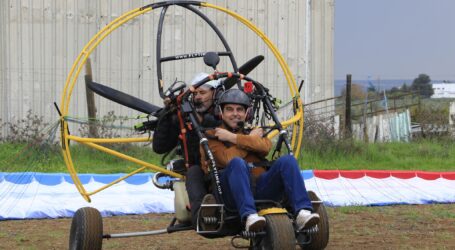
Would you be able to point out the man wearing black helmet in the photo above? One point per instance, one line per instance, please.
(236, 152)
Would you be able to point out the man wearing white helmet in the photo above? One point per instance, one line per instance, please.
(204, 95)
(166, 138)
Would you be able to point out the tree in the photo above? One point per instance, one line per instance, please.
(422, 85)
(405, 88)
(393, 90)
(371, 88)
(357, 92)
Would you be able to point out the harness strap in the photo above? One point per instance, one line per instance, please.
(182, 135)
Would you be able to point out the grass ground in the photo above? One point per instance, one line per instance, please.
(424, 155)
(391, 227)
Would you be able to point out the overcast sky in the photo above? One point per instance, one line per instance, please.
(395, 39)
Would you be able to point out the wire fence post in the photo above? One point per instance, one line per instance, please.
(91, 108)
(347, 119)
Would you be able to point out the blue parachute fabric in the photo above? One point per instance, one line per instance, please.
(48, 179)
(19, 178)
(84, 178)
(138, 179)
(307, 174)
(53, 195)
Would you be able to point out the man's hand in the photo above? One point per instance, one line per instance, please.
(224, 135)
(167, 101)
(257, 131)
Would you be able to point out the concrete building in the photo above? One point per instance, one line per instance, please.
(444, 90)
(40, 39)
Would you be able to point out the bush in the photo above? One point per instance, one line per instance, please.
(319, 137)
(30, 129)
(106, 127)
(433, 117)
(109, 126)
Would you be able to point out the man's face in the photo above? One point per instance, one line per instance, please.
(232, 114)
(203, 99)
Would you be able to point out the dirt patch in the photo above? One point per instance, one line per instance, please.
(391, 227)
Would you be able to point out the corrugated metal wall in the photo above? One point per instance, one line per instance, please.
(40, 39)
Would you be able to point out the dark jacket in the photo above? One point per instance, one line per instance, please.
(166, 137)
(166, 134)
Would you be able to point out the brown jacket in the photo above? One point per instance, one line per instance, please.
(249, 147)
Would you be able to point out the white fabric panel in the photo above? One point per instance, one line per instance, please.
(372, 191)
(37, 200)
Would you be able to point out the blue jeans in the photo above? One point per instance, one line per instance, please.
(283, 178)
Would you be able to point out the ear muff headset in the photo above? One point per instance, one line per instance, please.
(216, 97)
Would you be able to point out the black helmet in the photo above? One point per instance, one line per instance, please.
(234, 96)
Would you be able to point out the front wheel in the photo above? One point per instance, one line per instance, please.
(279, 233)
(86, 230)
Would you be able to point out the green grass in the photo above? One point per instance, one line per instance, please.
(424, 155)
(49, 159)
(352, 209)
(30, 158)
(421, 155)
(443, 214)
(93, 161)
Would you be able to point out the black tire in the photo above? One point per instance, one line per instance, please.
(86, 230)
(279, 233)
(320, 239)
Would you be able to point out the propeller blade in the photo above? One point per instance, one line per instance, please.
(245, 69)
(123, 98)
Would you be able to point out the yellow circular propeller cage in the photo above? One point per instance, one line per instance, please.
(296, 120)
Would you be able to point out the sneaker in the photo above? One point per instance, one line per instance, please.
(208, 212)
(209, 199)
(305, 219)
(254, 223)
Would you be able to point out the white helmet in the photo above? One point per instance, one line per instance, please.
(210, 84)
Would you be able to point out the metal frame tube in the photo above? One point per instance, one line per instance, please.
(108, 29)
(135, 234)
(159, 59)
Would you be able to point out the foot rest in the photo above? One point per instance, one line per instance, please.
(210, 218)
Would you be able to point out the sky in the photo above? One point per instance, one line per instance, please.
(394, 39)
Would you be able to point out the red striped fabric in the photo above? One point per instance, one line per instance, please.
(380, 174)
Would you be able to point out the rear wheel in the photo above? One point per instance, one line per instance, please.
(319, 239)
(279, 233)
(86, 230)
